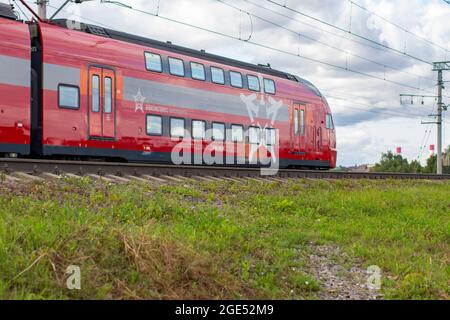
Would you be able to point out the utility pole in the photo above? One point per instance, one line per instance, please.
(441, 107)
(42, 9)
(440, 67)
(439, 124)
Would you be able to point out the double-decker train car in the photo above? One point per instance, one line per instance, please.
(98, 93)
(15, 84)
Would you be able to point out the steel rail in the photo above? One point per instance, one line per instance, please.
(37, 168)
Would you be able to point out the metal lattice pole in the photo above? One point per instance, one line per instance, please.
(440, 67)
(439, 124)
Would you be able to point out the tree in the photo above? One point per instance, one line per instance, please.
(392, 163)
(431, 166)
(415, 167)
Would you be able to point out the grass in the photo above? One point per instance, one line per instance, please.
(219, 240)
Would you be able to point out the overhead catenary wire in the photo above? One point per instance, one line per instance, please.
(394, 113)
(398, 26)
(426, 143)
(341, 37)
(315, 27)
(425, 138)
(321, 42)
(350, 32)
(261, 45)
(390, 112)
(419, 156)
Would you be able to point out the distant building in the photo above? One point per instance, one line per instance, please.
(447, 159)
(361, 168)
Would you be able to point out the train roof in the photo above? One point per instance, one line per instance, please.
(201, 54)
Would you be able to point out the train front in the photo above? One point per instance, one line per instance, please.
(330, 127)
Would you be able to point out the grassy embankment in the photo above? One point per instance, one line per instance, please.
(219, 240)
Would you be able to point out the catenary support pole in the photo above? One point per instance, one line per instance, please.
(439, 124)
(42, 9)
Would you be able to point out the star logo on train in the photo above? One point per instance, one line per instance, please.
(139, 101)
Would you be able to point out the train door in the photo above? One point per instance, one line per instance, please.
(109, 128)
(102, 103)
(298, 129)
(302, 128)
(295, 129)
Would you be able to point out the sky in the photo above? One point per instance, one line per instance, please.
(367, 112)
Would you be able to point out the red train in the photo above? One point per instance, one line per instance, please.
(72, 90)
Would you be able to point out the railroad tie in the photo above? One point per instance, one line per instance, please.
(98, 177)
(11, 178)
(203, 178)
(71, 175)
(136, 178)
(118, 178)
(253, 179)
(187, 179)
(215, 178)
(51, 175)
(37, 170)
(156, 179)
(273, 179)
(264, 179)
(27, 176)
(232, 179)
(176, 179)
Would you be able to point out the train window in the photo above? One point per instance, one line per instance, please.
(237, 133)
(177, 127)
(236, 79)
(253, 83)
(176, 67)
(330, 124)
(269, 86)
(95, 93)
(302, 122)
(217, 75)
(198, 71)
(68, 97)
(254, 134)
(218, 131)
(108, 95)
(198, 129)
(271, 136)
(153, 62)
(154, 125)
(296, 121)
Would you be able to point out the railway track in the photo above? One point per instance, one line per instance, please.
(15, 170)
